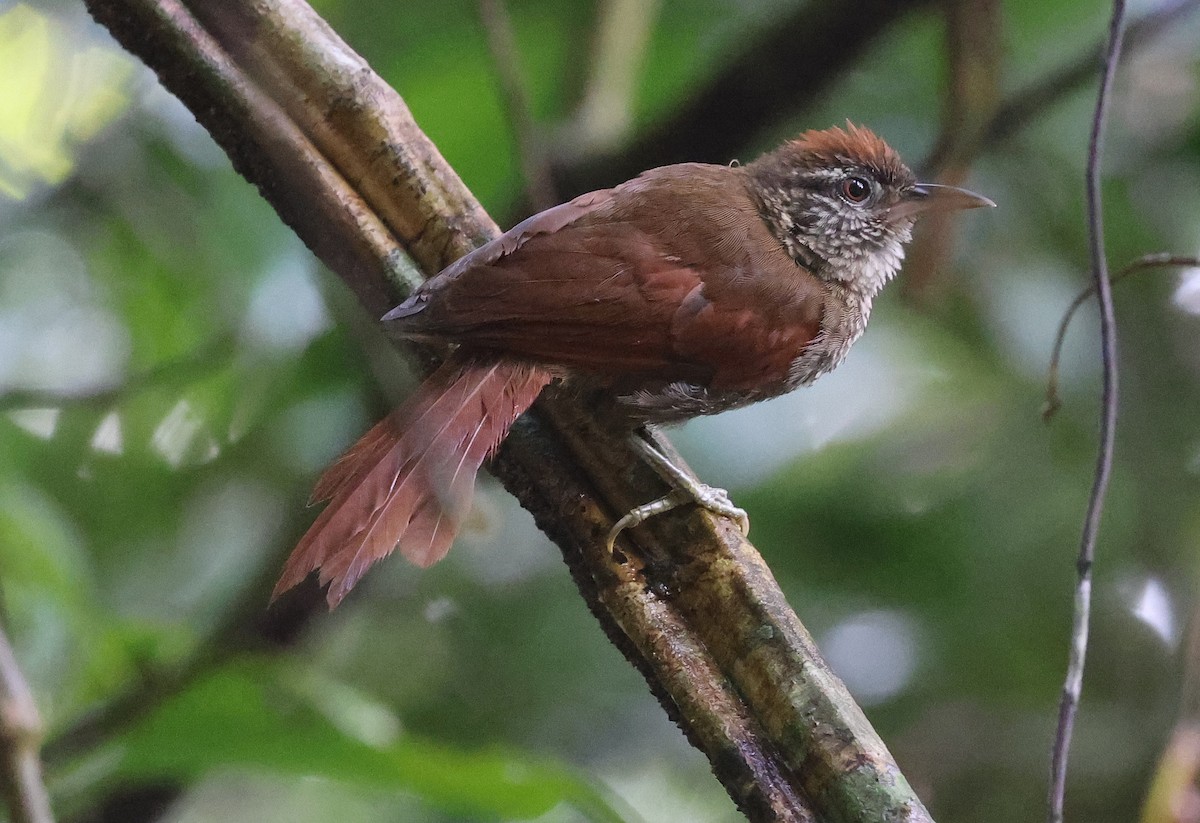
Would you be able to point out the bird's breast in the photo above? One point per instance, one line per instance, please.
(843, 321)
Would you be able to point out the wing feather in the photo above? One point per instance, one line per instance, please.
(613, 284)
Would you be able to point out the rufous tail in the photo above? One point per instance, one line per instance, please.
(407, 482)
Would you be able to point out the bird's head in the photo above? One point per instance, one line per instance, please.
(843, 204)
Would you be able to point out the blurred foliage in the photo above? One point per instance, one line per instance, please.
(175, 369)
(287, 721)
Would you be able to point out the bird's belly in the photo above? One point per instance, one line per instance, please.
(680, 400)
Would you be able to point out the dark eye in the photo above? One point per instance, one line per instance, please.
(855, 190)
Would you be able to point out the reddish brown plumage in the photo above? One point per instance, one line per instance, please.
(628, 292)
(850, 145)
(688, 290)
(408, 481)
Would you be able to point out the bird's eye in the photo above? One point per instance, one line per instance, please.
(855, 190)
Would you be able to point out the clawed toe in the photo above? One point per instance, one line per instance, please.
(647, 510)
(717, 501)
(708, 497)
(687, 490)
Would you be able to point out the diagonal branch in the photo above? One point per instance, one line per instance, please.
(785, 70)
(21, 733)
(338, 155)
(1023, 107)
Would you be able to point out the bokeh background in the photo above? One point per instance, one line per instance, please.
(175, 370)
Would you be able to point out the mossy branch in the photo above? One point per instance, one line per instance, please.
(338, 155)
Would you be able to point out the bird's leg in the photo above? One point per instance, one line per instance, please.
(687, 490)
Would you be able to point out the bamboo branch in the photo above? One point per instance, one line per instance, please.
(336, 152)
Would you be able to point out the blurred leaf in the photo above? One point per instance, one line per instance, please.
(1173, 795)
(53, 96)
(263, 716)
(68, 648)
(954, 508)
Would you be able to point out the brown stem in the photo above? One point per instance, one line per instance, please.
(20, 739)
(335, 151)
(1149, 261)
(974, 31)
(1068, 705)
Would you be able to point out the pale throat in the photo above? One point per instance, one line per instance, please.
(856, 272)
(868, 271)
(862, 269)
(857, 252)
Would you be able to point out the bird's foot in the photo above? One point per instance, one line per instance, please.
(687, 490)
(717, 501)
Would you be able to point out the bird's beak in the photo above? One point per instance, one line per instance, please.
(925, 197)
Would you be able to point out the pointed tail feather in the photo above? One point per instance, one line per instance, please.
(408, 481)
(367, 451)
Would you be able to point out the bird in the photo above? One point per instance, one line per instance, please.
(689, 290)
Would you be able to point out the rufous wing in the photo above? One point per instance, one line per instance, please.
(633, 286)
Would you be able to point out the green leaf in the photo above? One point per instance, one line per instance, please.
(259, 716)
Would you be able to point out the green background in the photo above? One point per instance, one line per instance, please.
(175, 369)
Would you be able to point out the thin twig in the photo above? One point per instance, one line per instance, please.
(1073, 685)
(531, 143)
(20, 738)
(1149, 261)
